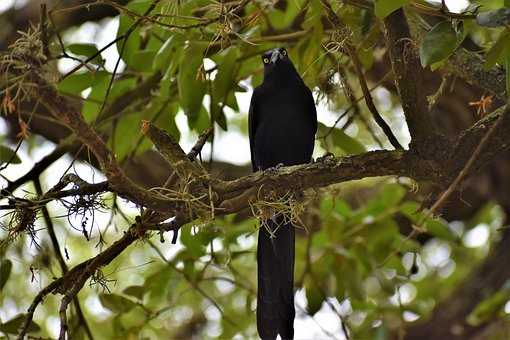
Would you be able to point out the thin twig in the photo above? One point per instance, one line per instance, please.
(92, 57)
(351, 51)
(370, 102)
(44, 31)
(468, 167)
(202, 139)
(127, 34)
(192, 283)
(351, 107)
(60, 259)
(37, 169)
(37, 300)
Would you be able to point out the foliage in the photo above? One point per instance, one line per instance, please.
(193, 59)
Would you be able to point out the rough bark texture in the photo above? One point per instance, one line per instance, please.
(431, 159)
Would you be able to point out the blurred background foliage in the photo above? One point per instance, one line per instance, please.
(361, 271)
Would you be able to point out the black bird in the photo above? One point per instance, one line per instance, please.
(282, 125)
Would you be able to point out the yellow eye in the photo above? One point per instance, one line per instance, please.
(284, 53)
(266, 60)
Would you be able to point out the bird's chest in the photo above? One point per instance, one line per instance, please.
(282, 108)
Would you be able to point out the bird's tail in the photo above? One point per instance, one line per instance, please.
(275, 297)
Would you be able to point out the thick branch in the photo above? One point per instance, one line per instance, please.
(408, 78)
(172, 151)
(118, 181)
(316, 175)
(237, 194)
(469, 66)
(469, 139)
(474, 158)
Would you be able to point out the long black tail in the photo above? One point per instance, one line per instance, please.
(275, 296)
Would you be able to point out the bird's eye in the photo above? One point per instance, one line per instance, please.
(284, 53)
(266, 60)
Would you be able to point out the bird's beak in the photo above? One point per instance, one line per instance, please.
(275, 56)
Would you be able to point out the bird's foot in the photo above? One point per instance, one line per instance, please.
(326, 158)
(274, 169)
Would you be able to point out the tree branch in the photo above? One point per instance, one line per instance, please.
(448, 320)
(118, 181)
(232, 196)
(408, 79)
(469, 66)
(60, 258)
(351, 51)
(36, 170)
(239, 193)
(172, 152)
(471, 162)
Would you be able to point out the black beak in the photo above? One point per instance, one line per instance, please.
(275, 55)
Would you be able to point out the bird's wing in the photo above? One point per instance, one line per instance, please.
(312, 110)
(252, 127)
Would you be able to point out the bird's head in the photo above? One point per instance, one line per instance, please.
(276, 59)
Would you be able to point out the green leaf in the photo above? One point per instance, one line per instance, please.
(116, 303)
(383, 8)
(13, 325)
(497, 52)
(434, 226)
(353, 286)
(158, 284)
(314, 15)
(5, 272)
(389, 196)
(507, 66)
(224, 80)
(488, 308)
(167, 84)
(282, 18)
(366, 56)
(91, 107)
(144, 60)
(8, 155)
(76, 83)
(338, 137)
(232, 101)
(484, 5)
(136, 291)
(126, 135)
(314, 297)
(86, 50)
(191, 242)
(166, 121)
(218, 116)
(224, 84)
(438, 44)
(163, 56)
(133, 43)
(199, 122)
(133, 320)
(189, 81)
(386, 284)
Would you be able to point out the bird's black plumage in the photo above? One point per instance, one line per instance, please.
(282, 126)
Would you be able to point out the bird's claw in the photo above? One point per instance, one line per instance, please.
(274, 169)
(327, 157)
